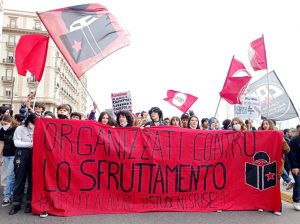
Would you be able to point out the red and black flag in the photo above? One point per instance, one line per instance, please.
(85, 34)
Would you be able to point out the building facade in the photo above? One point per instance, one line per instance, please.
(59, 83)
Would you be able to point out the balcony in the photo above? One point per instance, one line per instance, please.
(8, 61)
(7, 79)
(11, 44)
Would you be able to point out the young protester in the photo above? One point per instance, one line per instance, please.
(175, 121)
(7, 150)
(23, 140)
(238, 124)
(294, 158)
(193, 122)
(63, 111)
(269, 125)
(156, 116)
(124, 118)
(75, 116)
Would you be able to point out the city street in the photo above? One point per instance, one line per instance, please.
(289, 215)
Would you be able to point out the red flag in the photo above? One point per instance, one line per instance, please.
(257, 54)
(236, 82)
(85, 34)
(183, 101)
(31, 53)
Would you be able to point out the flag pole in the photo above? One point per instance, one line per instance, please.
(268, 83)
(217, 107)
(34, 100)
(88, 93)
(268, 86)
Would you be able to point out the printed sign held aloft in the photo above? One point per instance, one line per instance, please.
(121, 101)
(249, 109)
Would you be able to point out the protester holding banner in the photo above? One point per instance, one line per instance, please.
(63, 111)
(7, 149)
(294, 157)
(75, 116)
(249, 125)
(105, 118)
(238, 124)
(266, 125)
(23, 140)
(144, 118)
(124, 118)
(184, 120)
(175, 121)
(156, 116)
(193, 122)
(204, 123)
(226, 124)
(136, 121)
(213, 124)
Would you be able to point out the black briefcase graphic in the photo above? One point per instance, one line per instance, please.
(88, 36)
(261, 174)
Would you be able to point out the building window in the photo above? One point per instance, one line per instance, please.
(37, 25)
(10, 57)
(8, 93)
(11, 40)
(9, 74)
(13, 23)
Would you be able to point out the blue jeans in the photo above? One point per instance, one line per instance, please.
(8, 162)
(296, 189)
(285, 176)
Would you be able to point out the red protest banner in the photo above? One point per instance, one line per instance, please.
(83, 167)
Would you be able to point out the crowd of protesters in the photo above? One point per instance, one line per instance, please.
(16, 141)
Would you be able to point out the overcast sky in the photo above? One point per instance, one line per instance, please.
(187, 46)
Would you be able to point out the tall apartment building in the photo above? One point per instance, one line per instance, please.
(1, 18)
(58, 85)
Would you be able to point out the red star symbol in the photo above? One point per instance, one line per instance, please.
(270, 176)
(77, 46)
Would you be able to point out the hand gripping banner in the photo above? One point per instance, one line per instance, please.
(83, 167)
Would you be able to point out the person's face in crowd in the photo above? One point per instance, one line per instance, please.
(235, 125)
(75, 117)
(38, 110)
(167, 121)
(289, 134)
(122, 120)
(154, 116)
(265, 125)
(205, 124)
(184, 122)
(144, 116)
(213, 125)
(104, 119)
(5, 125)
(175, 122)
(194, 123)
(63, 111)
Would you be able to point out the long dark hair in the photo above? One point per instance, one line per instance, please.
(31, 118)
